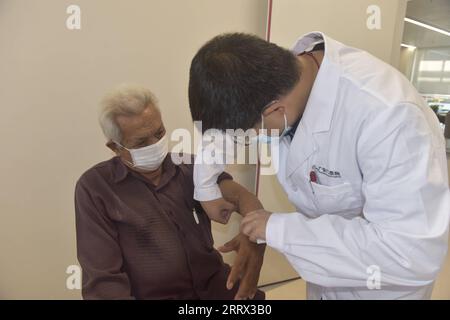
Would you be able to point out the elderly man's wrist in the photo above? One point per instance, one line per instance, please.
(248, 203)
(247, 240)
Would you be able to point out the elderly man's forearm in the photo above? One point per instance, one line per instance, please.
(244, 200)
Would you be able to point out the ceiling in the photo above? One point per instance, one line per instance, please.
(432, 12)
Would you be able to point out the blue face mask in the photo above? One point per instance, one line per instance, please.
(265, 139)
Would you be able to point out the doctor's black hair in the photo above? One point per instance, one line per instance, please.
(233, 76)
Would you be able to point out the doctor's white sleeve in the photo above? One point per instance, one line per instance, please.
(404, 229)
(209, 164)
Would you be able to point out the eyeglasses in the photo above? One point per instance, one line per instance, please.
(242, 140)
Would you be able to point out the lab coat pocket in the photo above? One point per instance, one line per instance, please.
(335, 199)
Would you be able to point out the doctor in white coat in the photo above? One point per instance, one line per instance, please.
(362, 158)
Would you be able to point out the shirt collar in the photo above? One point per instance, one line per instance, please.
(320, 106)
(120, 170)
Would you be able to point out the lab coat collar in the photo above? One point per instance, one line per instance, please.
(320, 106)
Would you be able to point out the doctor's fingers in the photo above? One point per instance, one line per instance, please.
(249, 228)
(254, 237)
(255, 213)
(250, 217)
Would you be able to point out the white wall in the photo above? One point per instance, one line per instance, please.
(51, 81)
(344, 20)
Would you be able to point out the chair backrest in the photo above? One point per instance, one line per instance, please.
(447, 126)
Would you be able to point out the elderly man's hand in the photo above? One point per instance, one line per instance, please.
(254, 224)
(246, 267)
(218, 210)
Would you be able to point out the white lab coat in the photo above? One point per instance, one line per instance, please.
(375, 225)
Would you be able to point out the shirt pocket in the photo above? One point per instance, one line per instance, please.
(336, 198)
(203, 227)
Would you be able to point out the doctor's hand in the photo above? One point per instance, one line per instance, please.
(246, 267)
(218, 210)
(254, 224)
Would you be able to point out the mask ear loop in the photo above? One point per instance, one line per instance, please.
(284, 115)
(125, 160)
(309, 53)
(258, 164)
(264, 109)
(262, 123)
(285, 122)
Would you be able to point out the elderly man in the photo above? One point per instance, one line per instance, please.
(140, 233)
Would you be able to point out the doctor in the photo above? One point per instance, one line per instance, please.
(362, 158)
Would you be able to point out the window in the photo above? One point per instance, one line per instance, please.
(431, 71)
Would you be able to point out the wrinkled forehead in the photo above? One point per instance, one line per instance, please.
(146, 123)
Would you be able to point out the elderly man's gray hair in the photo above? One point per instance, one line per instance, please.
(126, 100)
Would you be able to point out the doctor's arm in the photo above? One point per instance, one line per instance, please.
(403, 231)
(206, 176)
(210, 163)
(243, 200)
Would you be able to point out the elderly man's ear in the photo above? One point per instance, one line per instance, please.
(113, 146)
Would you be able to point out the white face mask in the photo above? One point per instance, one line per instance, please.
(151, 157)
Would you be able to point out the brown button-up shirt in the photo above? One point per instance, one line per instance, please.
(137, 240)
